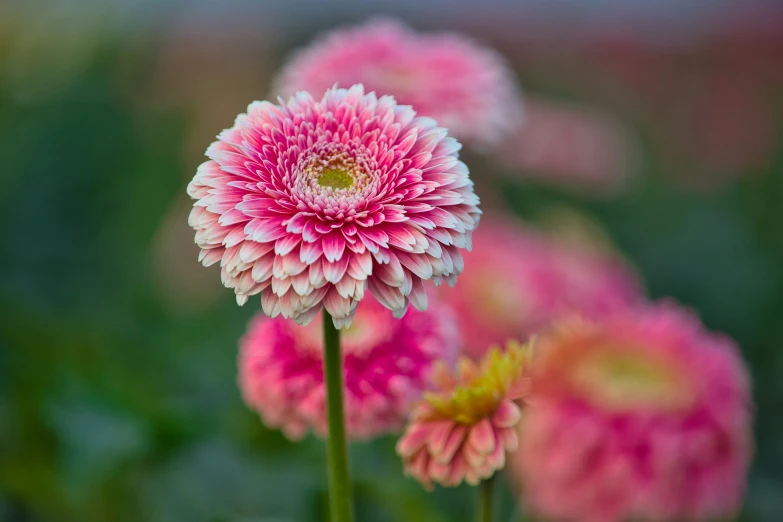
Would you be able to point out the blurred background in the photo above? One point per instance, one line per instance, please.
(658, 122)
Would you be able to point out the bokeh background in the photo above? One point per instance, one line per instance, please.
(659, 122)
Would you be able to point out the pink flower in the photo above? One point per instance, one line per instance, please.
(577, 148)
(520, 280)
(313, 202)
(387, 365)
(463, 429)
(467, 88)
(641, 416)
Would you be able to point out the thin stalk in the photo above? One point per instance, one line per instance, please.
(340, 502)
(486, 500)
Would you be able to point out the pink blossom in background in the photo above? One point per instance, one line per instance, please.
(576, 148)
(723, 127)
(387, 365)
(466, 88)
(462, 428)
(313, 202)
(519, 280)
(643, 415)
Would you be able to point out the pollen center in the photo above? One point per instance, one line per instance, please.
(335, 179)
(623, 381)
(479, 389)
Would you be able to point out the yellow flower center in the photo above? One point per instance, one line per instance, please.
(622, 380)
(477, 390)
(335, 178)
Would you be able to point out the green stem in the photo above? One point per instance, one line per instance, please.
(486, 500)
(340, 503)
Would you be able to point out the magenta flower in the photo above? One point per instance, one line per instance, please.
(577, 148)
(313, 202)
(462, 429)
(467, 88)
(542, 279)
(641, 416)
(387, 365)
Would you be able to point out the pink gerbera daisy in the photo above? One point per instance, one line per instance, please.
(387, 364)
(641, 416)
(312, 202)
(520, 280)
(465, 87)
(463, 428)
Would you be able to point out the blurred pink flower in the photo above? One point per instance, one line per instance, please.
(312, 202)
(520, 280)
(724, 129)
(462, 430)
(573, 147)
(641, 416)
(466, 88)
(387, 365)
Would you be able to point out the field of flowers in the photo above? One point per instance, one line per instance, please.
(553, 248)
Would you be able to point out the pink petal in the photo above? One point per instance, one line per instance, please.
(333, 245)
(286, 244)
(338, 306)
(414, 439)
(388, 296)
(360, 266)
(482, 437)
(310, 252)
(262, 268)
(418, 296)
(252, 250)
(292, 265)
(296, 224)
(507, 415)
(391, 273)
(416, 263)
(453, 443)
(509, 438)
(335, 271)
(263, 231)
(309, 233)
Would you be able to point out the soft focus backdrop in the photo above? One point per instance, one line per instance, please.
(657, 123)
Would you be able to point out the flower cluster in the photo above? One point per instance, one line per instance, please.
(463, 428)
(632, 411)
(641, 416)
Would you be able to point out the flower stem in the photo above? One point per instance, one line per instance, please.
(340, 502)
(486, 500)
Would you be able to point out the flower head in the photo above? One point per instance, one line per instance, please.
(387, 364)
(312, 202)
(641, 416)
(467, 88)
(462, 430)
(520, 280)
(579, 149)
